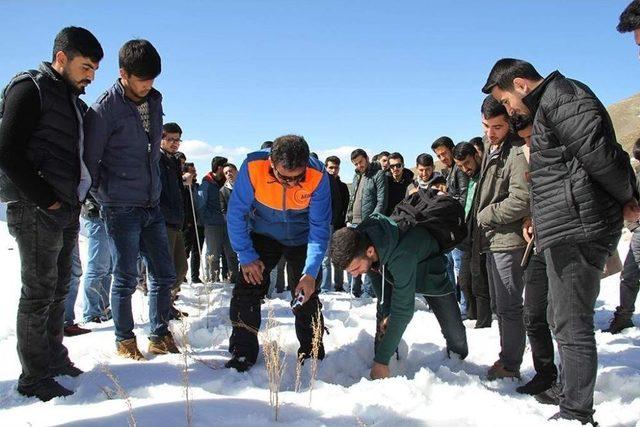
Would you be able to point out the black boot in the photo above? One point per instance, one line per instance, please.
(619, 322)
(239, 363)
(45, 390)
(537, 385)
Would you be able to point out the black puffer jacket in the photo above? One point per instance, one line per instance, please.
(457, 183)
(580, 176)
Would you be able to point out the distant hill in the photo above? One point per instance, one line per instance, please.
(626, 121)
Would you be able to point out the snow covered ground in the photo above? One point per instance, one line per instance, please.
(427, 388)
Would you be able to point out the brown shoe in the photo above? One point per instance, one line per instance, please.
(129, 349)
(498, 371)
(163, 345)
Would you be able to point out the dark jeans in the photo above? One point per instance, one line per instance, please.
(574, 272)
(446, 310)
(630, 277)
(74, 285)
(46, 240)
(134, 231)
(191, 249)
(536, 289)
(506, 285)
(247, 299)
(474, 283)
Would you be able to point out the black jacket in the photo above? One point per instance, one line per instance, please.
(457, 182)
(340, 220)
(397, 190)
(580, 176)
(39, 139)
(171, 202)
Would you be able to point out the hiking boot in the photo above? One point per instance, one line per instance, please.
(75, 329)
(129, 349)
(619, 322)
(551, 396)
(537, 385)
(498, 371)
(94, 319)
(44, 390)
(239, 363)
(175, 314)
(69, 370)
(560, 416)
(163, 345)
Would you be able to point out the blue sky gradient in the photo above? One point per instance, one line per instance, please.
(372, 74)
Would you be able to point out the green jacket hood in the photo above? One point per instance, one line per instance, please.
(384, 234)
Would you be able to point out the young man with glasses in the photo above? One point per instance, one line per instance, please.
(398, 179)
(284, 198)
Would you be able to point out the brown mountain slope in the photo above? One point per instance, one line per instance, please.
(626, 121)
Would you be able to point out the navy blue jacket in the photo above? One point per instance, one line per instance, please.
(209, 201)
(122, 158)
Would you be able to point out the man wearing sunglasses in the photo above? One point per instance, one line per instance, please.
(398, 178)
(280, 206)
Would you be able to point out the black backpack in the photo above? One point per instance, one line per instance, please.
(442, 215)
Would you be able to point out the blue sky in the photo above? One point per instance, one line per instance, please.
(345, 74)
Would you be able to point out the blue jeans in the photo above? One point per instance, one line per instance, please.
(134, 231)
(454, 262)
(97, 278)
(360, 286)
(74, 282)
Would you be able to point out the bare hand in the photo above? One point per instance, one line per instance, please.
(252, 272)
(631, 210)
(307, 284)
(55, 206)
(378, 371)
(527, 229)
(187, 178)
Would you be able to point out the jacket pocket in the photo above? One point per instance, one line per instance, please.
(568, 197)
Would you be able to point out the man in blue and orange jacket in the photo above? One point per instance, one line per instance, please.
(280, 206)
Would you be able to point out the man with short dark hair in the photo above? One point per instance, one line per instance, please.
(456, 180)
(383, 159)
(400, 265)
(502, 202)
(582, 186)
(630, 20)
(473, 278)
(426, 174)
(172, 204)
(280, 205)
(43, 179)
(214, 222)
(339, 205)
(370, 195)
(123, 132)
(398, 180)
(478, 143)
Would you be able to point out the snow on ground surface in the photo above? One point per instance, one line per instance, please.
(427, 388)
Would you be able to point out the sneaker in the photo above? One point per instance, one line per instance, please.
(69, 370)
(163, 345)
(560, 416)
(94, 319)
(107, 315)
(44, 390)
(239, 363)
(551, 396)
(75, 329)
(498, 371)
(619, 322)
(129, 349)
(537, 385)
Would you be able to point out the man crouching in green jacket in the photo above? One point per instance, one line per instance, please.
(403, 265)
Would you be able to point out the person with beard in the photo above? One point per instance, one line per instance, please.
(502, 201)
(123, 133)
(582, 188)
(426, 174)
(398, 178)
(383, 159)
(44, 180)
(172, 204)
(479, 144)
(212, 218)
(473, 279)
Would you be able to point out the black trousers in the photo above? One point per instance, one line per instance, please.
(536, 291)
(247, 299)
(192, 250)
(474, 282)
(46, 240)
